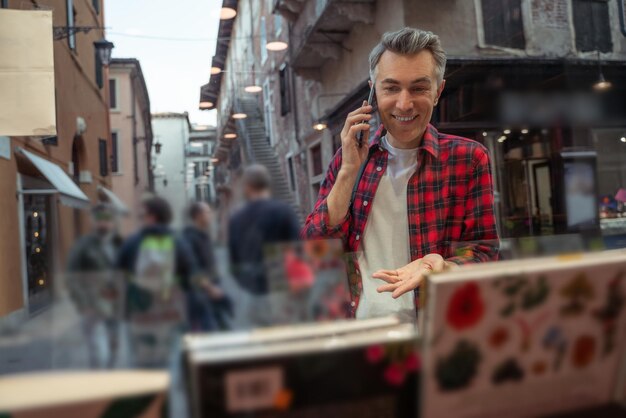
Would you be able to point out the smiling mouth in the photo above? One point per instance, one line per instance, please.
(405, 118)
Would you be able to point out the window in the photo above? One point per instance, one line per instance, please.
(102, 147)
(115, 153)
(96, 5)
(316, 160)
(71, 40)
(592, 25)
(263, 40)
(98, 66)
(502, 23)
(285, 103)
(113, 93)
(292, 174)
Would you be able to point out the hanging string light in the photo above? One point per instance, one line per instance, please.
(227, 13)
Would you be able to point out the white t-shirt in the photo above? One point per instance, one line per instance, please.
(385, 241)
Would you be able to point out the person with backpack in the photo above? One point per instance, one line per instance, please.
(159, 267)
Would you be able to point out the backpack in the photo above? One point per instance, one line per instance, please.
(155, 301)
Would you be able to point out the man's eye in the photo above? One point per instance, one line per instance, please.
(391, 89)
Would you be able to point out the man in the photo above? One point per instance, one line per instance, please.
(209, 304)
(160, 268)
(420, 194)
(261, 221)
(90, 281)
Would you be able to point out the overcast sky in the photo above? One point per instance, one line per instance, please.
(176, 64)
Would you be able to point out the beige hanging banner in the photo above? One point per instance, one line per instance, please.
(27, 103)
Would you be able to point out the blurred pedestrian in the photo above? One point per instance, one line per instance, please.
(91, 283)
(159, 266)
(262, 220)
(209, 307)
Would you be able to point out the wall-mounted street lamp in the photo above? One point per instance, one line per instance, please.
(157, 147)
(320, 126)
(104, 49)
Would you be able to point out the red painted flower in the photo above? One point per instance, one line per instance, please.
(466, 307)
(394, 375)
(374, 354)
(412, 362)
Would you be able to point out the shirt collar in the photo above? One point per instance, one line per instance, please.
(430, 140)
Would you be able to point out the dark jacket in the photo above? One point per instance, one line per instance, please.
(201, 245)
(258, 223)
(88, 254)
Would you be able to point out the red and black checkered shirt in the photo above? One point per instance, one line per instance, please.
(449, 203)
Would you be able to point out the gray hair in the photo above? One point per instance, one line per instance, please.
(410, 41)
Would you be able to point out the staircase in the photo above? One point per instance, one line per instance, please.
(258, 150)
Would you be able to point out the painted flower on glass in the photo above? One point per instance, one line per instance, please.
(466, 307)
(395, 374)
(375, 354)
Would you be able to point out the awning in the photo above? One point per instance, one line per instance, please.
(69, 192)
(108, 196)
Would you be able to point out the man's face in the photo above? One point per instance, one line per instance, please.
(103, 224)
(407, 91)
(147, 219)
(203, 218)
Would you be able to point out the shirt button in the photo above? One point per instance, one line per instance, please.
(365, 203)
(353, 304)
(379, 168)
(358, 237)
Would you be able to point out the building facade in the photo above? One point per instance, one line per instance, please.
(171, 142)
(503, 56)
(54, 179)
(200, 168)
(131, 138)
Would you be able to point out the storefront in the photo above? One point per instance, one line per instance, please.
(42, 185)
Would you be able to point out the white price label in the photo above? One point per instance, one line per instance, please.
(253, 389)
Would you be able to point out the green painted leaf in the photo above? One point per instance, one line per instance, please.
(128, 407)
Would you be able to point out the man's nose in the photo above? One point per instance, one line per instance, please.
(404, 102)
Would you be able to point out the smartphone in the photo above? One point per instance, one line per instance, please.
(370, 100)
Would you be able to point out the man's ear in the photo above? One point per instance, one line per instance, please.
(440, 90)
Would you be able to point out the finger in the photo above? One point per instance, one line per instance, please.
(363, 109)
(389, 272)
(354, 129)
(407, 286)
(358, 118)
(355, 120)
(387, 287)
(386, 277)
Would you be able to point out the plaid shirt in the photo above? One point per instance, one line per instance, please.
(450, 204)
